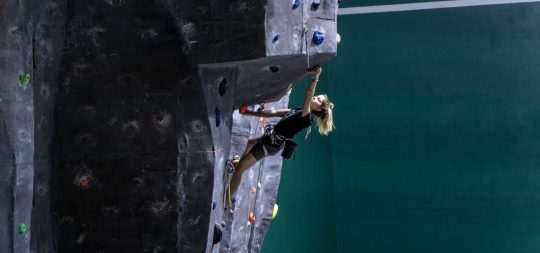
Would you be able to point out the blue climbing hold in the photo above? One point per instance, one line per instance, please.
(276, 37)
(296, 4)
(214, 205)
(218, 117)
(318, 37)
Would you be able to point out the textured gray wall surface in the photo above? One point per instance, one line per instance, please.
(258, 191)
(31, 37)
(119, 140)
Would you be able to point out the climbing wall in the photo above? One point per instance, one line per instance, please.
(247, 222)
(116, 118)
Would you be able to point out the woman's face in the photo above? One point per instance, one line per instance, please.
(317, 102)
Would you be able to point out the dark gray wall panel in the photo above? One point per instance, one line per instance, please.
(263, 177)
(114, 144)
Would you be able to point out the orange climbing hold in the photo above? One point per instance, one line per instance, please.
(253, 190)
(251, 217)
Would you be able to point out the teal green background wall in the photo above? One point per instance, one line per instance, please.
(441, 110)
(437, 146)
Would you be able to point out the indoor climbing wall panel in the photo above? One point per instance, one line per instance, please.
(246, 224)
(114, 123)
(31, 39)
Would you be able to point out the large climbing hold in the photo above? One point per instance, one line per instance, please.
(218, 234)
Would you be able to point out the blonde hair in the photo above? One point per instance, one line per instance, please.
(325, 120)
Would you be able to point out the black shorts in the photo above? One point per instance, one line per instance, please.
(264, 147)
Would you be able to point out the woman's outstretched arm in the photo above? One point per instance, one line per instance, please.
(306, 109)
(267, 113)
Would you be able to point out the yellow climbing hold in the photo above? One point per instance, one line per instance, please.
(274, 214)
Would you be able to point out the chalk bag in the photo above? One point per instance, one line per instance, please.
(288, 150)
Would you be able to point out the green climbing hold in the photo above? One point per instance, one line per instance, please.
(24, 78)
(22, 228)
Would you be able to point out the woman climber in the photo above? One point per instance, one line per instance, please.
(292, 122)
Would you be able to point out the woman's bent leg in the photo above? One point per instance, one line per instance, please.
(243, 165)
(250, 145)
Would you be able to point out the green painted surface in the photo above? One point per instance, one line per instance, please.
(438, 140)
(437, 146)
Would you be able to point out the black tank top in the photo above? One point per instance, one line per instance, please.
(292, 123)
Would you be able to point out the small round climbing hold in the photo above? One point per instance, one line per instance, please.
(22, 228)
(296, 4)
(276, 37)
(223, 87)
(218, 117)
(274, 213)
(214, 205)
(253, 190)
(251, 217)
(318, 37)
(83, 181)
(338, 38)
(24, 79)
(315, 5)
(274, 68)
(243, 108)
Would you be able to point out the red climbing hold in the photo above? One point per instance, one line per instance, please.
(312, 70)
(251, 217)
(83, 181)
(243, 108)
